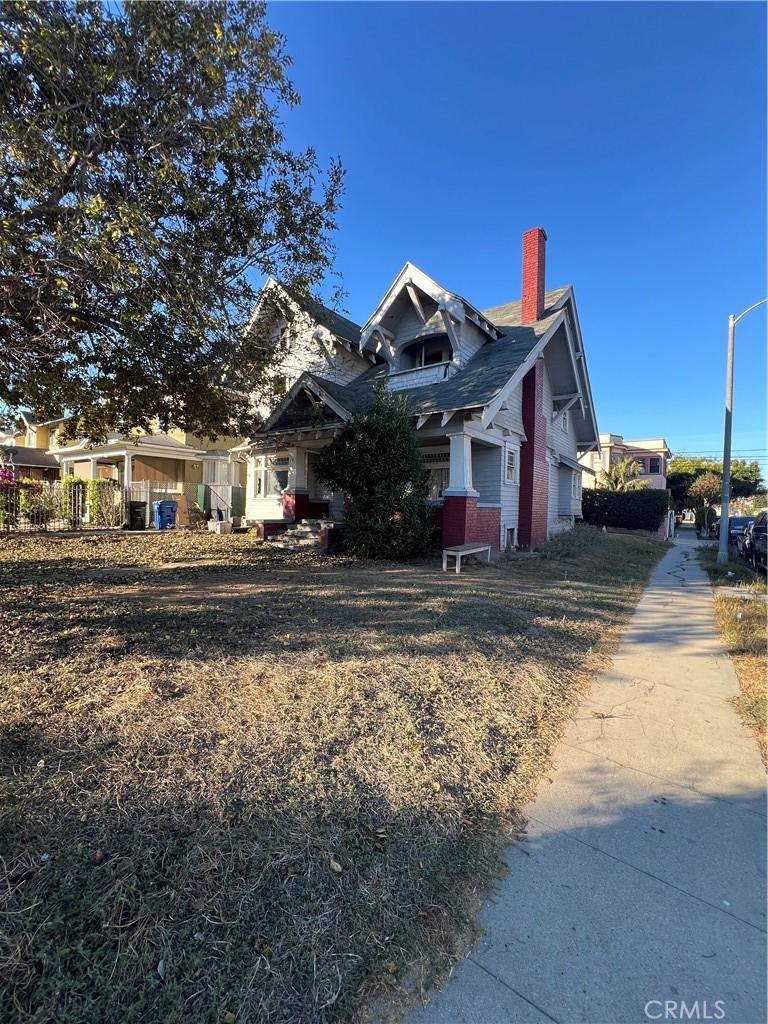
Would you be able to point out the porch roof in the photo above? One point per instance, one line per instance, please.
(158, 445)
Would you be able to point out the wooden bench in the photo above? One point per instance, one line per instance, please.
(461, 550)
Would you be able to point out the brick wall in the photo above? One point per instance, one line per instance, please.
(534, 471)
(464, 523)
(295, 505)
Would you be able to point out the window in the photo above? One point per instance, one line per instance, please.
(654, 464)
(511, 538)
(510, 471)
(277, 475)
(575, 485)
(436, 465)
(284, 340)
(565, 422)
(641, 464)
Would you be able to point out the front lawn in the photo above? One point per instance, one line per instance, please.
(244, 786)
(743, 624)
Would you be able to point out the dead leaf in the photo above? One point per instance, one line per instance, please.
(336, 867)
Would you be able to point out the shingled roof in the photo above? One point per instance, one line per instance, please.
(339, 325)
(475, 385)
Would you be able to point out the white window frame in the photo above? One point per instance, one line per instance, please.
(514, 451)
(575, 484)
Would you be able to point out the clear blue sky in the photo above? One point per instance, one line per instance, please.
(635, 134)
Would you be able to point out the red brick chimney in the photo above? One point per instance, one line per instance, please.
(534, 246)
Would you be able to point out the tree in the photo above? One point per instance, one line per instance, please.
(703, 492)
(375, 462)
(623, 475)
(145, 177)
(683, 470)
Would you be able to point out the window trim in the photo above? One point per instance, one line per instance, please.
(564, 421)
(514, 451)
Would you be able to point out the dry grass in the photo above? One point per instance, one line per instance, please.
(744, 626)
(263, 787)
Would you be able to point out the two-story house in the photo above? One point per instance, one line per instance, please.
(500, 399)
(24, 446)
(652, 455)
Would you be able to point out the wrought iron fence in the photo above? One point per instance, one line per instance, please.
(68, 504)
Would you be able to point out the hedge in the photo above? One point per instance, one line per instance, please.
(629, 510)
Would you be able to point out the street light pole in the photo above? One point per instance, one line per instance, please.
(725, 497)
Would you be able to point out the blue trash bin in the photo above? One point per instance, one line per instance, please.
(164, 514)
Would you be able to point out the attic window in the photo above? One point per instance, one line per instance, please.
(431, 351)
(284, 339)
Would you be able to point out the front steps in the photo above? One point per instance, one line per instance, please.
(304, 534)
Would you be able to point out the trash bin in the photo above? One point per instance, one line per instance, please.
(137, 515)
(164, 514)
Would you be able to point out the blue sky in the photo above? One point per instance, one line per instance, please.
(633, 133)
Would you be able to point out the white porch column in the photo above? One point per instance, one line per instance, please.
(128, 471)
(93, 469)
(460, 473)
(297, 471)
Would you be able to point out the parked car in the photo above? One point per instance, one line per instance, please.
(743, 541)
(736, 526)
(758, 542)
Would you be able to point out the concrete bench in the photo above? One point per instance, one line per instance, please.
(461, 551)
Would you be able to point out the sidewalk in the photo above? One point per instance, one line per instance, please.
(642, 877)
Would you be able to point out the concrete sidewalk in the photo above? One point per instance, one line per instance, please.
(642, 878)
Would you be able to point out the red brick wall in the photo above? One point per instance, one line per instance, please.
(534, 471)
(534, 244)
(464, 522)
(295, 506)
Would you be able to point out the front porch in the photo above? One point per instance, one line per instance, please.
(465, 487)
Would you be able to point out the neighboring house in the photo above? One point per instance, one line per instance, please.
(500, 399)
(161, 464)
(651, 455)
(25, 446)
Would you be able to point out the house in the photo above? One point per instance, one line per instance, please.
(500, 399)
(651, 455)
(160, 465)
(24, 447)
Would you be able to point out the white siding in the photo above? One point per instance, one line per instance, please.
(486, 473)
(511, 417)
(471, 340)
(559, 442)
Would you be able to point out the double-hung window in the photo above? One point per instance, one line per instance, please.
(510, 466)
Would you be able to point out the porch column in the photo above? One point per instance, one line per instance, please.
(460, 497)
(93, 471)
(296, 495)
(460, 472)
(128, 471)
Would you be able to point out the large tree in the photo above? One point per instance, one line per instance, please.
(684, 470)
(144, 178)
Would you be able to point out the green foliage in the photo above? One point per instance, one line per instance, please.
(704, 518)
(705, 490)
(146, 179)
(684, 470)
(72, 499)
(37, 502)
(100, 501)
(622, 475)
(630, 510)
(376, 462)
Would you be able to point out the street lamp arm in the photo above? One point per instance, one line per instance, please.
(739, 317)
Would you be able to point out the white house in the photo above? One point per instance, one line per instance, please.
(500, 399)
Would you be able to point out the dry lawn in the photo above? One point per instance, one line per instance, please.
(265, 787)
(744, 626)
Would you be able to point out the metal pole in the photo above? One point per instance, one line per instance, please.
(722, 553)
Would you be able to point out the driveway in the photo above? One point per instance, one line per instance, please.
(640, 885)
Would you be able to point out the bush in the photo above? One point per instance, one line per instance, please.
(376, 462)
(628, 510)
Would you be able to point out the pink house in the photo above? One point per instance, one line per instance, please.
(652, 455)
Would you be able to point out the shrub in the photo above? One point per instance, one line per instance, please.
(629, 510)
(376, 462)
(36, 502)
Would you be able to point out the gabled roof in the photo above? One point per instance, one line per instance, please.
(340, 326)
(509, 314)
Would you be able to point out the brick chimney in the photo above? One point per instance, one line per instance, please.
(534, 246)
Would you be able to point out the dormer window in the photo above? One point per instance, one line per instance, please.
(430, 351)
